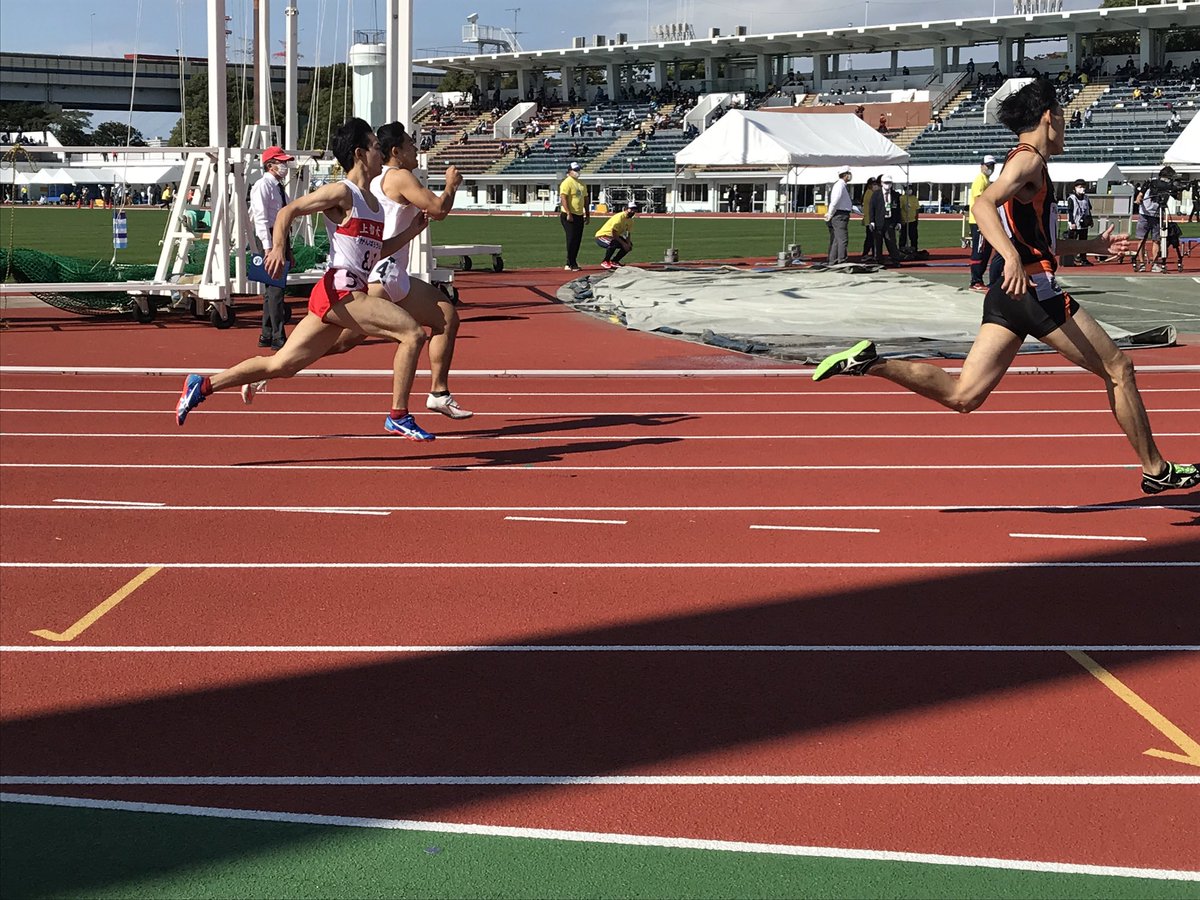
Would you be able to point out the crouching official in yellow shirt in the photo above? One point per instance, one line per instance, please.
(616, 236)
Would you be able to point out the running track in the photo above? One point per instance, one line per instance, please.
(842, 612)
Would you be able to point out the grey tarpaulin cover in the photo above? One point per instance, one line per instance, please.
(799, 314)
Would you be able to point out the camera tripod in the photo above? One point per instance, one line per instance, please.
(1162, 245)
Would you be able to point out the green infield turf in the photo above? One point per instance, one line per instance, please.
(59, 852)
(534, 241)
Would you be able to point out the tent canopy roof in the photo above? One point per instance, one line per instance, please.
(742, 138)
(1060, 173)
(1186, 149)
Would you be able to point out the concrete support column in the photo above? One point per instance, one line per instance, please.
(820, 70)
(1006, 56)
(1148, 51)
(1020, 60)
(895, 61)
(762, 71)
(612, 81)
(954, 57)
(481, 81)
(939, 60)
(710, 72)
(837, 66)
(658, 75)
(523, 84)
(1074, 50)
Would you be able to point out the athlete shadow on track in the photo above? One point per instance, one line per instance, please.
(1184, 503)
(543, 425)
(515, 456)
(523, 712)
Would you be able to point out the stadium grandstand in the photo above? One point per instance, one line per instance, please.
(623, 110)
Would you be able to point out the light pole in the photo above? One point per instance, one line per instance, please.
(93, 33)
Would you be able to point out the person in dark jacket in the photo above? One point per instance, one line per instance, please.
(885, 219)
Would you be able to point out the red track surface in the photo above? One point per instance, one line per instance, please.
(610, 449)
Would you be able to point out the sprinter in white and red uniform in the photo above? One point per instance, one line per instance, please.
(355, 223)
(403, 198)
(1017, 215)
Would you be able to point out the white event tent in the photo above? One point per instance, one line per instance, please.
(1186, 149)
(741, 138)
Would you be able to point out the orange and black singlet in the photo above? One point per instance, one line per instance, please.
(1033, 225)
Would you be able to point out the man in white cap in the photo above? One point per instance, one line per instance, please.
(267, 198)
(573, 213)
(981, 250)
(885, 219)
(837, 218)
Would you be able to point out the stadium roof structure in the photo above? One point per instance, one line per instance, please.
(866, 39)
(742, 138)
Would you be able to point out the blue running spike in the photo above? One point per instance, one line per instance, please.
(191, 397)
(406, 427)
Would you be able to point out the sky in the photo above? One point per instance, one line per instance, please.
(118, 27)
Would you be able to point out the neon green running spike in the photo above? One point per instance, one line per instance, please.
(855, 361)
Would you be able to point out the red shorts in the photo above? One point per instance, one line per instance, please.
(325, 296)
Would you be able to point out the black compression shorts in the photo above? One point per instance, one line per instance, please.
(1027, 315)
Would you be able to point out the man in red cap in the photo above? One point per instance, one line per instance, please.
(267, 198)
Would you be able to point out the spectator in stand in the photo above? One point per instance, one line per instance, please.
(616, 236)
(885, 219)
(837, 218)
(883, 123)
(1079, 218)
(1087, 117)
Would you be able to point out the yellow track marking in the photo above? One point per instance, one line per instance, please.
(90, 619)
(1191, 749)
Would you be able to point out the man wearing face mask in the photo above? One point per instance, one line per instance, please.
(885, 219)
(267, 198)
(1079, 218)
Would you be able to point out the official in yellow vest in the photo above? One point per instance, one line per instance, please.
(616, 236)
(573, 213)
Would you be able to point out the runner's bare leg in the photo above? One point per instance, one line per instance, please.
(1085, 343)
(990, 356)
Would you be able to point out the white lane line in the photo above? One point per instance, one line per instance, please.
(815, 393)
(597, 413)
(583, 780)
(575, 438)
(325, 510)
(604, 837)
(383, 510)
(98, 503)
(580, 521)
(600, 648)
(814, 528)
(1075, 537)
(524, 467)
(1031, 564)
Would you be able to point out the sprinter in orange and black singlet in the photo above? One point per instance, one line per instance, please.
(1018, 217)
(1032, 227)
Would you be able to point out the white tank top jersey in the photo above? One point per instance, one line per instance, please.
(392, 272)
(355, 245)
